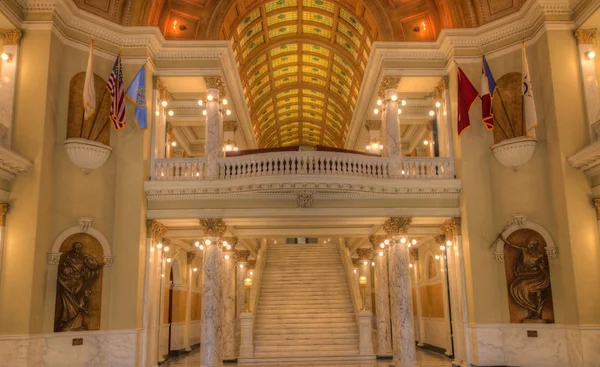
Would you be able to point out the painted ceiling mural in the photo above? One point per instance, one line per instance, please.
(302, 61)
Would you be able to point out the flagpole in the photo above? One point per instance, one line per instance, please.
(103, 127)
(506, 112)
(97, 113)
(83, 120)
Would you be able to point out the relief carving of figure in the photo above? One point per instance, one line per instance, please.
(77, 273)
(531, 282)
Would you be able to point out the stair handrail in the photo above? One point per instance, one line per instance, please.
(351, 277)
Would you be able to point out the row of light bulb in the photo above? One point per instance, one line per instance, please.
(376, 111)
(210, 98)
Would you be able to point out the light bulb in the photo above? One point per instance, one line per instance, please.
(355, 271)
(403, 240)
(448, 243)
(438, 104)
(410, 265)
(207, 242)
(366, 263)
(382, 245)
(402, 171)
(197, 243)
(409, 245)
(442, 247)
(164, 103)
(226, 257)
(200, 102)
(414, 242)
(224, 101)
(225, 243)
(228, 112)
(403, 103)
(394, 98)
(210, 97)
(159, 245)
(379, 102)
(173, 143)
(5, 56)
(195, 269)
(251, 272)
(399, 111)
(235, 149)
(368, 147)
(157, 113)
(204, 112)
(437, 257)
(387, 242)
(171, 113)
(380, 146)
(151, 249)
(241, 266)
(425, 142)
(201, 247)
(162, 275)
(590, 55)
(376, 111)
(380, 253)
(166, 249)
(372, 263)
(168, 259)
(228, 148)
(228, 247)
(431, 113)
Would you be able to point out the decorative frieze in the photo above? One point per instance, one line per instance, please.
(213, 227)
(396, 226)
(251, 264)
(161, 88)
(355, 262)
(11, 36)
(585, 36)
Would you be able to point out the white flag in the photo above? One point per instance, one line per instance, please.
(529, 114)
(89, 91)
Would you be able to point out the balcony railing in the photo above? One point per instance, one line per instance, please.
(303, 163)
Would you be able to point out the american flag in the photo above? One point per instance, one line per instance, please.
(117, 94)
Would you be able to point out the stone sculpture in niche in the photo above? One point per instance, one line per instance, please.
(78, 289)
(528, 277)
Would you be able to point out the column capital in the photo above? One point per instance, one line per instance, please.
(373, 125)
(190, 257)
(452, 227)
(161, 88)
(585, 36)
(3, 211)
(230, 240)
(364, 253)
(251, 264)
(376, 241)
(242, 255)
(11, 36)
(397, 225)
(155, 230)
(388, 82)
(213, 227)
(230, 126)
(355, 262)
(215, 82)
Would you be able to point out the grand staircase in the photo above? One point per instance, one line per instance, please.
(305, 311)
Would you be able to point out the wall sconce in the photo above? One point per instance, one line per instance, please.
(6, 57)
(588, 55)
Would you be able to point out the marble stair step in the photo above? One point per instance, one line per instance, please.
(324, 317)
(308, 354)
(270, 303)
(323, 335)
(302, 312)
(303, 325)
(304, 348)
(317, 332)
(352, 342)
(284, 300)
(310, 282)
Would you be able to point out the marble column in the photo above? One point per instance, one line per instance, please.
(213, 135)
(400, 294)
(8, 75)
(188, 301)
(229, 314)
(364, 257)
(442, 266)
(210, 355)
(242, 271)
(393, 141)
(585, 42)
(382, 300)
(3, 210)
(421, 326)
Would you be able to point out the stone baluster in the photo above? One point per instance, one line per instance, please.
(382, 299)
(400, 293)
(210, 348)
(11, 39)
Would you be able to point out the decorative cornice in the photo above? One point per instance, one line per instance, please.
(213, 227)
(588, 159)
(12, 164)
(242, 255)
(3, 210)
(161, 88)
(11, 36)
(585, 36)
(397, 226)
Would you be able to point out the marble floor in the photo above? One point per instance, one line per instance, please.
(425, 359)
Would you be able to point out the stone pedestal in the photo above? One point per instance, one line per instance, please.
(364, 332)
(246, 343)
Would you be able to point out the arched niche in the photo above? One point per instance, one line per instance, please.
(97, 126)
(508, 107)
(88, 261)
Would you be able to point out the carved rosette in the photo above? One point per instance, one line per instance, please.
(585, 36)
(388, 82)
(213, 227)
(364, 253)
(11, 36)
(397, 225)
(155, 230)
(242, 256)
(451, 227)
(215, 82)
(3, 211)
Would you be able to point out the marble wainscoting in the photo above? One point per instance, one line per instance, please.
(436, 331)
(177, 333)
(554, 346)
(195, 332)
(99, 349)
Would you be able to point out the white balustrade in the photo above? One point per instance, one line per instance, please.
(303, 163)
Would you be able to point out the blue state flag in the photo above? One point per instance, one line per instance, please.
(136, 92)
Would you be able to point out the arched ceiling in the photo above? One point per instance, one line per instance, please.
(301, 63)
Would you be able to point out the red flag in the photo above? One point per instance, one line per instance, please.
(466, 97)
